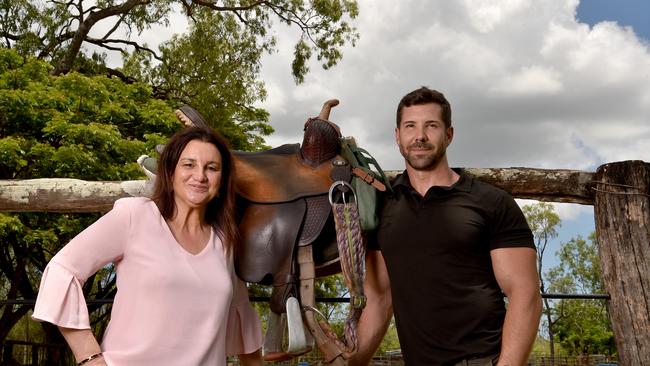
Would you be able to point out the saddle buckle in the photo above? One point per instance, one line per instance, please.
(358, 301)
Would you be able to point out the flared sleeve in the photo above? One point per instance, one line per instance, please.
(60, 297)
(244, 332)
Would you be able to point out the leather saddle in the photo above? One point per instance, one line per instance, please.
(284, 204)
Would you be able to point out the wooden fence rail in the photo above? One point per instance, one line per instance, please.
(73, 195)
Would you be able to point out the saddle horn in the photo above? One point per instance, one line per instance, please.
(327, 108)
(321, 139)
(191, 117)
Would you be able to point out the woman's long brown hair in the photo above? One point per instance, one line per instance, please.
(220, 212)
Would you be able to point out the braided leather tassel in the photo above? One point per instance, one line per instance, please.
(352, 253)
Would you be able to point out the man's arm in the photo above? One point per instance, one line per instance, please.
(378, 311)
(515, 270)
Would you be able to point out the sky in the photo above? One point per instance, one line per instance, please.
(533, 83)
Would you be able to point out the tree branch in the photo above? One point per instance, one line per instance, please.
(12, 37)
(117, 24)
(213, 6)
(84, 28)
(120, 75)
(49, 48)
(103, 43)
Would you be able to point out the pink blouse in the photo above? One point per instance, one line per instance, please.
(171, 308)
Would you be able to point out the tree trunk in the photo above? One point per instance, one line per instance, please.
(551, 333)
(622, 209)
(85, 25)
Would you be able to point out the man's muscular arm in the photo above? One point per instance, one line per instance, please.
(516, 272)
(378, 311)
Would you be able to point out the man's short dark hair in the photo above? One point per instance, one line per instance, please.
(425, 95)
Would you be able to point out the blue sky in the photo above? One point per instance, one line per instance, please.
(633, 13)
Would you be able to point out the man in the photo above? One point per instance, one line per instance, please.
(447, 250)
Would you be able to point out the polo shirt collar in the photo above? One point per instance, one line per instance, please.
(463, 184)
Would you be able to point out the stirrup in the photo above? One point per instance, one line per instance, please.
(272, 349)
(299, 340)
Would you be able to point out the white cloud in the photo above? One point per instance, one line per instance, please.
(487, 14)
(530, 80)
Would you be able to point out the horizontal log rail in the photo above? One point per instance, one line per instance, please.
(74, 195)
(65, 195)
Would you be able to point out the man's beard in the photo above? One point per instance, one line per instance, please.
(423, 160)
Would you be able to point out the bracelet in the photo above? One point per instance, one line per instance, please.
(84, 361)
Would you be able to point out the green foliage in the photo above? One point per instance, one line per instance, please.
(390, 341)
(579, 265)
(75, 126)
(214, 68)
(543, 222)
(582, 326)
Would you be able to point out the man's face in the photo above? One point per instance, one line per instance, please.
(422, 137)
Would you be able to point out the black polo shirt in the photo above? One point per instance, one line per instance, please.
(447, 303)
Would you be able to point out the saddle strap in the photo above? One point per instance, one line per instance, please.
(368, 178)
(330, 347)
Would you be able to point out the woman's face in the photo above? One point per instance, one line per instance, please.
(197, 176)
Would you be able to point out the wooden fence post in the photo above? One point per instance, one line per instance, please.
(622, 212)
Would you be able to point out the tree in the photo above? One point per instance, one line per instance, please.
(56, 31)
(215, 68)
(72, 126)
(582, 326)
(543, 222)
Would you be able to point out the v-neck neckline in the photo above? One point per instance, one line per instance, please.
(179, 245)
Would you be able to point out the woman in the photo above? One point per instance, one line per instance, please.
(178, 300)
